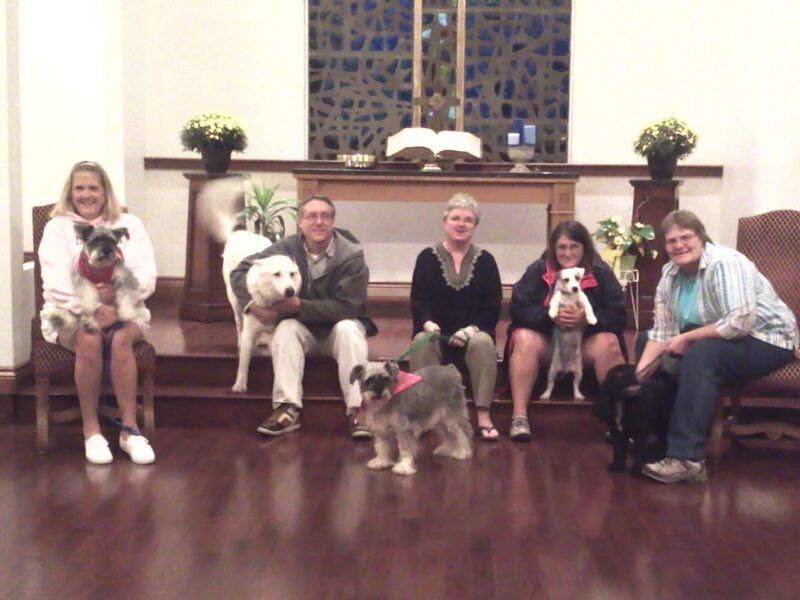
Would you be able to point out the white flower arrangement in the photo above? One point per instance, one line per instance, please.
(618, 238)
(213, 129)
(665, 138)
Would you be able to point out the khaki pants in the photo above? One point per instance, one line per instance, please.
(480, 358)
(292, 341)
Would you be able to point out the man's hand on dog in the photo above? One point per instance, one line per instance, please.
(571, 316)
(287, 306)
(268, 316)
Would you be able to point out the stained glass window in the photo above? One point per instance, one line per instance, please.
(517, 57)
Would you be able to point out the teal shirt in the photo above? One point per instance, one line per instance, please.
(686, 310)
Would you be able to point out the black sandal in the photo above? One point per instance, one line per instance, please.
(484, 433)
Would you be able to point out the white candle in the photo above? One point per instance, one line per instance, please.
(529, 135)
(513, 139)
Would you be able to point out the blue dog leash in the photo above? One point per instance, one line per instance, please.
(105, 397)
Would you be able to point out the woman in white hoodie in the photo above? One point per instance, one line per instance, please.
(88, 198)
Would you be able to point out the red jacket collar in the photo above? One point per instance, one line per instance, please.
(549, 277)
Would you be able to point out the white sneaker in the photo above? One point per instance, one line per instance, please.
(138, 448)
(673, 470)
(97, 450)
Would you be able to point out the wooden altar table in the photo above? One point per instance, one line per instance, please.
(556, 190)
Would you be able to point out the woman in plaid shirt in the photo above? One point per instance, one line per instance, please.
(714, 308)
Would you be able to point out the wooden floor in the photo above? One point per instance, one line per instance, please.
(225, 514)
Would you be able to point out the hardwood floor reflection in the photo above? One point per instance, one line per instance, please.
(226, 514)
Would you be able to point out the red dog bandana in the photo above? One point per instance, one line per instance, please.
(405, 381)
(93, 274)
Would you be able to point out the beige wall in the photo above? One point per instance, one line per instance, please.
(114, 80)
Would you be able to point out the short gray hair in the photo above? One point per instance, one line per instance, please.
(465, 201)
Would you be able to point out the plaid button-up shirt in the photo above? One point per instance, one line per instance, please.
(733, 295)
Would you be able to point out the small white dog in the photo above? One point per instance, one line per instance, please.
(567, 342)
(269, 279)
(100, 262)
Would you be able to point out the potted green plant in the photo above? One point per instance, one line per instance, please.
(215, 135)
(663, 143)
(623, 245)
(267, 212)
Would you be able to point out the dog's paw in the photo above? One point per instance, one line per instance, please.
(404, 469)
(461, 454)
(90, 325)
(546, 395)
(239, 387)
(443, 450)
(578, 395)
(379, 463)
(591, 320)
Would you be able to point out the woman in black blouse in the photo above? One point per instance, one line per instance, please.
(456, 295)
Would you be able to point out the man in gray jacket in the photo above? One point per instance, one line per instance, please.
(328, 317)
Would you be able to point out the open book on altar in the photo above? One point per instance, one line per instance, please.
(425, 144)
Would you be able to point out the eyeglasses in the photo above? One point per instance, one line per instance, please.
(325, 217)
(680, 240)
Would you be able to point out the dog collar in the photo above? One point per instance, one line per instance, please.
(405, 381)
(93, 274)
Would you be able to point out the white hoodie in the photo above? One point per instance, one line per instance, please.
(60, 249)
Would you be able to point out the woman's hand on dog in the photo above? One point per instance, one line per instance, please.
(571, 316)
(106, 293)
(105, 316)
(431, 327)
(461, 337)
(678, 344)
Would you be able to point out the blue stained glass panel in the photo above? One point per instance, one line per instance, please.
(360, 71)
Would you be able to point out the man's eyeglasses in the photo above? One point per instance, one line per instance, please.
(681, 239)
(325, 217)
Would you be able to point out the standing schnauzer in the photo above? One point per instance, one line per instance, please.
(567, 342)
(404, 406)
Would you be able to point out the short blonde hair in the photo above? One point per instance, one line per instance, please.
(111, 211)
(464, 201)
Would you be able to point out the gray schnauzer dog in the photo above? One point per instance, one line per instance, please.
(100, 262)
(435, 402)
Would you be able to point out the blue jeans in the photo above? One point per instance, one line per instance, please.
(708, 364)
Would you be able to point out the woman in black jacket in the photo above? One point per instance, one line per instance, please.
(531, 329)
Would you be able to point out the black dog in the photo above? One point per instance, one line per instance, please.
(637, 412)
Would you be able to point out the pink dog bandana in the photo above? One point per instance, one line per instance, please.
(405, 381)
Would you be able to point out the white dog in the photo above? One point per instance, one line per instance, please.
(567, 342)
(269, 279)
